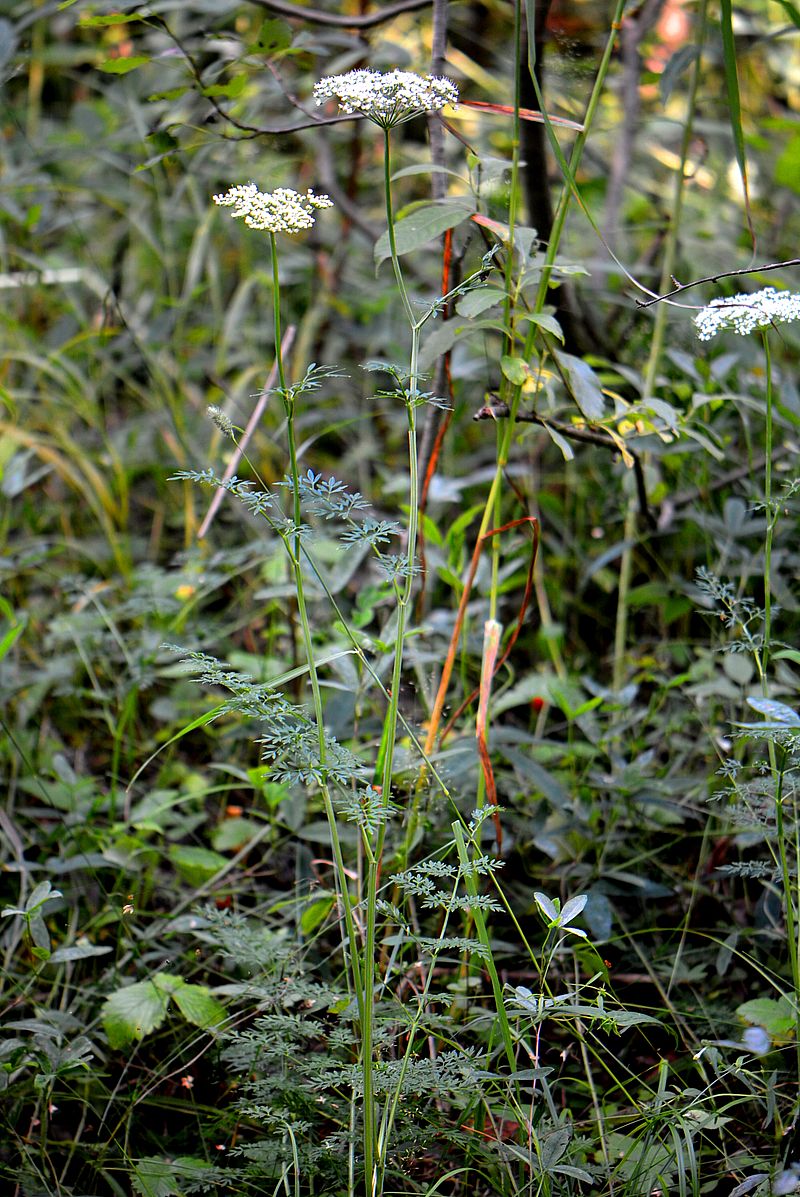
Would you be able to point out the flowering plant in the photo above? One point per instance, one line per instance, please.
(388, 98)
(745, 313)
(279, 211)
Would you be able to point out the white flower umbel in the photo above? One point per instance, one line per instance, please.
(387, 99)
(745, 313)
(279, 211)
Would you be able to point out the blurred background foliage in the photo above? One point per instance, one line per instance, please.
(129, 305)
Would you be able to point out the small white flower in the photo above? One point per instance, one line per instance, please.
(744, 313)
(279, 211)
(387, 99)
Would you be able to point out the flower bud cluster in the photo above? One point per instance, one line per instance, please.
(279, 211)
(386, 99)
(745, 313)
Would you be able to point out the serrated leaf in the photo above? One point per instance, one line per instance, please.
(775, 712)
(198, 1006)
(583, 385)
(122, 66)
(421, 226)
(133, 1012)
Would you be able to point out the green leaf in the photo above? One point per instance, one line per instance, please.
(133, 1012)
(230, 90)
(729, 63)
(791, 12)
(775, 712)
(121, 66)
(232, 834)
(273, 37)
(583, 385)
(92, 21)
(77, 952)
(40, 894)
(515, 369)
(198, 1006)
(421, 226)
(480, 300)
(545, 321)
(776, 1017)
(196, 865)
(316, 913)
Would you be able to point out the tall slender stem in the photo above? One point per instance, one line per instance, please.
(404, 592)
(771, 514)
(293, 545)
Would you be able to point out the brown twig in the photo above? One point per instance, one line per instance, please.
(316, 16)
(499, 411)
(713, 278)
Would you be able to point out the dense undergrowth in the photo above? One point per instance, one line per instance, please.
(401, 798)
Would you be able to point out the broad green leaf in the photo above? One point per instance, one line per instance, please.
(232, 834)
(77, 952)
(122, 66)
(274, 36)
(583, 385)
(515, 369)
(196, 865)
(133, 1012)
(198, 1006)
(92, 21)
(776, 1017)
(545, 321)
(421, 226)
(230, 90)
(315, 914)
(156, 1177)
(480, 300)
(775, 712)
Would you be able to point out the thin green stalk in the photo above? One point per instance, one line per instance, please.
(386, 761)
(302, 608)
(789, 888)
(772, 517)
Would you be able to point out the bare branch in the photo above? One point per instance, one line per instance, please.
(713, 278)
(316, 17)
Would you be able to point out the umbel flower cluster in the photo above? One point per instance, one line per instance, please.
(745, 313)
(280, 211)
(388, 98)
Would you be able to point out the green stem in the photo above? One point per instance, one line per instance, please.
(294, 550)
(386, 760)
(771, 515)
(387, 191)
(673, 230)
